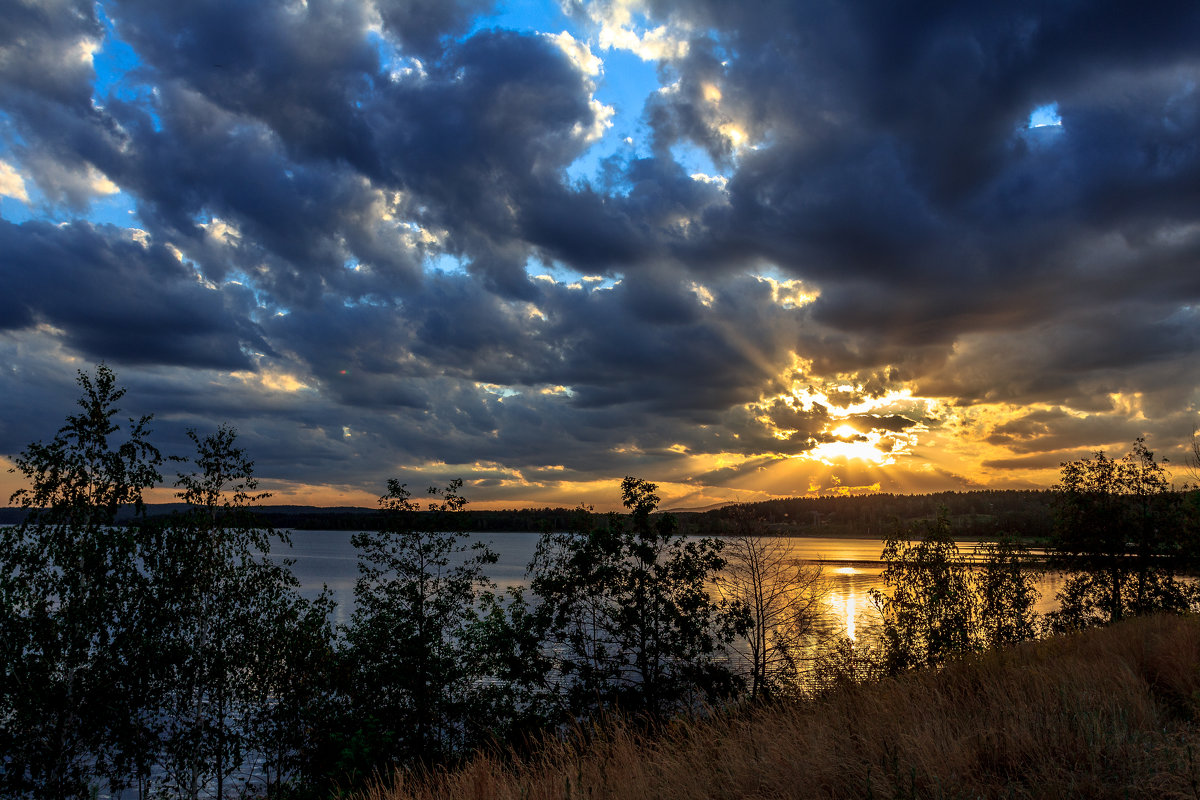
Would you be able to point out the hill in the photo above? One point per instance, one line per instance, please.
(984, 514)
(981, 514)
(1106, 714)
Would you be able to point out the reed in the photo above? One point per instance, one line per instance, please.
(1106, 713)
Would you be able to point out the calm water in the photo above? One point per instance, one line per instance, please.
(850, 566)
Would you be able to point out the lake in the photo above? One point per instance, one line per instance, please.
(850, 566)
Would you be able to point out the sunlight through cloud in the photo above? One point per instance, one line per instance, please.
(1045, 116)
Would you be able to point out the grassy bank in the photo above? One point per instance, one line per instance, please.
(1109, 713)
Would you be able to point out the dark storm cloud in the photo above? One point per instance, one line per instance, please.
(631, 380)
(893, 423)
(300, 69)
(46, 78)
(422, 25)
(598, 341)
(621, 346)
(310, 167)
(1040, 461)
(43, 51)
(478, 136)
(401, 379)
(297, 224)
(652, 213)
(482, 140)
(38, 394)
(787, 417)
(115, 299)
(1080, 360)
(900, 177)
(1056, 429)
(897, 172)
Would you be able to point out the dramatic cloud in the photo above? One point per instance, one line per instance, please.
(741, 249)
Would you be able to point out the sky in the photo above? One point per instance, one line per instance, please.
(742, 250)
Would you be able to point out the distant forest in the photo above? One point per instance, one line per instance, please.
(975, 514)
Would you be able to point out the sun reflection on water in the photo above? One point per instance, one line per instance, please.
(850, 607)
(846, 608)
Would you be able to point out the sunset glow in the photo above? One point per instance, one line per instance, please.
(541, 246)
(832, 452)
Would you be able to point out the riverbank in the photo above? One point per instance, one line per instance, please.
(1110, 713)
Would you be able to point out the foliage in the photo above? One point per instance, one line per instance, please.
(169, 656)
(929, 610)
(781, 599)
(514, 704)
(408, 645)
(1109, 715)
(1003, 584)
(1120, 532)
(626, 615)
(842, 662)
(984, 514)
(68, 583)
(236, 643)
(937, 608)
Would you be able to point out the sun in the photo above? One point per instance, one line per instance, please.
(852, 444)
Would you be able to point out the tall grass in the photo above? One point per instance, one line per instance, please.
(1108, 713)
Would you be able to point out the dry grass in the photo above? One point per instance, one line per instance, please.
(1109, 713)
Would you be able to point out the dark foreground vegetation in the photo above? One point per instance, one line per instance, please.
(1108, 713)
(174, 658)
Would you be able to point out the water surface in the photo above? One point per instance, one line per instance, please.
(850, 567)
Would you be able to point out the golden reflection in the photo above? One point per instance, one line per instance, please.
(850, 610)
(847, 587)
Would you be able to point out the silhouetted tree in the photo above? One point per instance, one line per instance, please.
(937, 605)
(69, 583)
(234, 636)
(781, 598)
(1003, 581)
(626, 614)
(928, 608)
(416, 684)
(1120, 533)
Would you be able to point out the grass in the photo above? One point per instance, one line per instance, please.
(1106, 714)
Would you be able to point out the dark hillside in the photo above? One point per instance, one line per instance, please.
(982, 514)
(1109, 713)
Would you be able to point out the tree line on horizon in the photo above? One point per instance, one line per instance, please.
(176, 658)
(984, 513)
(977, 513)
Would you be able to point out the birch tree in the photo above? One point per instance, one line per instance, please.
(782, 598)
(69, 585)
